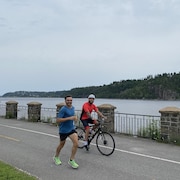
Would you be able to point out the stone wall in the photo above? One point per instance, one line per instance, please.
(170, 124)
(58, 107)
(108, 111)
(34, 111)
(11, 109)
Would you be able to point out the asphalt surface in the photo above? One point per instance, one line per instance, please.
(31, 146)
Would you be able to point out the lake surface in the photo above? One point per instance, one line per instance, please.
(145, 107)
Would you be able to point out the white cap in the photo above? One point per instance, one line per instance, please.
(91, 96)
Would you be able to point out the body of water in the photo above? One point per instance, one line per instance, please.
(145, 107)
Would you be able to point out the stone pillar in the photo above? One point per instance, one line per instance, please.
(58, 107)
(34, 111)
(11, 109)
(108, 111)
(170, 124)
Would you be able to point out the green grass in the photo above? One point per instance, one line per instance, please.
(8, 172)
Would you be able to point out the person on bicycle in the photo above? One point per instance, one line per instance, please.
(86, 116)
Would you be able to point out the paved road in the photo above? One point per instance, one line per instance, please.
(31, 146)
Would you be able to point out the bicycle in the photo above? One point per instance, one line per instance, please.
(105, 142)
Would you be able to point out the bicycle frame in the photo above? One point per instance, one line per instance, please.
(99, 129)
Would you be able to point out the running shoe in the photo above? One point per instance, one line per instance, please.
(57, 161)
(73, 164)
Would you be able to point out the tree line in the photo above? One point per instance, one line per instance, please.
(164, 86)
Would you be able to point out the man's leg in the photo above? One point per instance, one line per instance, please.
(87, 129)
(60, 146)
(58, 149)
(74, 139)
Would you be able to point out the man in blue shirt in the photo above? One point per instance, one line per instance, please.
(65, 120)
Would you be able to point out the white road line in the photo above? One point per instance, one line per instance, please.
(29, 130)
(149, 156)
(120, 150)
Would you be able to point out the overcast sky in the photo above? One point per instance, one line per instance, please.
(54, 45)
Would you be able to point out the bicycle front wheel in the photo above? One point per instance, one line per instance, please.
(105, 143)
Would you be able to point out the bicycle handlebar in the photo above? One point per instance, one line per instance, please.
(101, 120)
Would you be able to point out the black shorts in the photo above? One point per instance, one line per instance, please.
(63, 136)
(86, 122)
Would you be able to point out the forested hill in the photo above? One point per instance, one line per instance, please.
(163, 86)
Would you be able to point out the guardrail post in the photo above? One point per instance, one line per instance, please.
(108, 111)
(11, 109)
(34, 111)
(170, 124)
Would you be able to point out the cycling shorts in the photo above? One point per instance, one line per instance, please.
(86, 122)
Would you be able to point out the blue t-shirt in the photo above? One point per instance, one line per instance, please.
(66, 126)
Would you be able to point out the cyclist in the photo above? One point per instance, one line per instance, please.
(86, 117)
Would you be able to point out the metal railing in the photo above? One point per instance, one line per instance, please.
(136, 124)
(129, 124)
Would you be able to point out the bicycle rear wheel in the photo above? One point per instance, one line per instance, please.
(81, 136)
(105, 143)
(80, 132)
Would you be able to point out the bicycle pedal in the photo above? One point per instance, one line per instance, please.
(87, 147)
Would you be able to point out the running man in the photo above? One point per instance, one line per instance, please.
(65, 120)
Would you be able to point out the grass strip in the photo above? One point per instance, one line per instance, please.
(8, 172)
